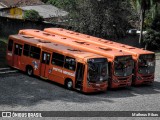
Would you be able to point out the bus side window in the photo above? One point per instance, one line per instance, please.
(18, 49)
(26, 50)
(35, 52)
(57, 59)
(10, 45)
(70, 63)
(45, 58)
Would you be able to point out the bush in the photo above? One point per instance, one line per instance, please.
(32, 15)
(152, 39)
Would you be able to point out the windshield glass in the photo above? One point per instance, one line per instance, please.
(146, 64)
(97, 70)
(123, 66)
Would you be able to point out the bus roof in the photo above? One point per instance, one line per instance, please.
(105, 51)
(98, 41)
(54, 46)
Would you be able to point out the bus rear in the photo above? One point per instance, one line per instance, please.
(115, 81)
(137, 54)
(67, 66)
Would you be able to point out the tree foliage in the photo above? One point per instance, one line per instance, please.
(32, 15)
(152, 39)
(102, 18)
(155, 25)
(110, 18)
(142, 6)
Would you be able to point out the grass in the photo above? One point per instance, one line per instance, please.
(3, 46)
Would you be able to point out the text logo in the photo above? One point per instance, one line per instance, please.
(6, 114)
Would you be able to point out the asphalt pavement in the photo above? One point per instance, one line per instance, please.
(19, 92)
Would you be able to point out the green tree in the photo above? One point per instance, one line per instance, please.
(155, 25)
(152, 39)
(142, 6)
(102, 18)
(32, 15)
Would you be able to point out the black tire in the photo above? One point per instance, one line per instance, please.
(69, 84)
(29, 71)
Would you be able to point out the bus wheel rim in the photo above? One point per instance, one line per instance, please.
(69, 84)
(29, 72)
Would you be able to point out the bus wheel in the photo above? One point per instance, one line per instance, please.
(29, 71)
(69, 84)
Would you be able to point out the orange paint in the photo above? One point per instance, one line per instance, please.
(57, 62)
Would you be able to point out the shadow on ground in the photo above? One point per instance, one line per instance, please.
(20, 89)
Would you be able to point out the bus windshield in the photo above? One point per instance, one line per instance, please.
(123, 66)
(97, 70)
(146, 64)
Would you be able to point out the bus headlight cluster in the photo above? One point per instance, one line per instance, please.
(101, 78)
(139, 78)
(116, 81)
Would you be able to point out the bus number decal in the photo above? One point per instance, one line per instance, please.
(69, 73)
(58, 70)
(64, 72)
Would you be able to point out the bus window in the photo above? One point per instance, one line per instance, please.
(35, 52)
(45, 58)
(10, 45)
(57, 59)
(26, 50)
(97, 70)
(70, 63)
(18, 49)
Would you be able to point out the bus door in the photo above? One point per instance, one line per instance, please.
(17, 55)
(45, 64)
(79, 75)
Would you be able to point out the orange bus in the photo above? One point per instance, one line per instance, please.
(73, 68)
(120, 63)
(144, 60)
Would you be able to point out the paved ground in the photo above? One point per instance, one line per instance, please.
(19, 92)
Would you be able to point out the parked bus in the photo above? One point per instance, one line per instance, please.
(144, 60)
(73, 68)
(120, 63)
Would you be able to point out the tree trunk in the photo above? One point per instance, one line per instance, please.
(146, 46)
(142, 15)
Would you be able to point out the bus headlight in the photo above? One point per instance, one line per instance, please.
(116, 81)
(130, 79)
(101, 78)
(139, 78)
